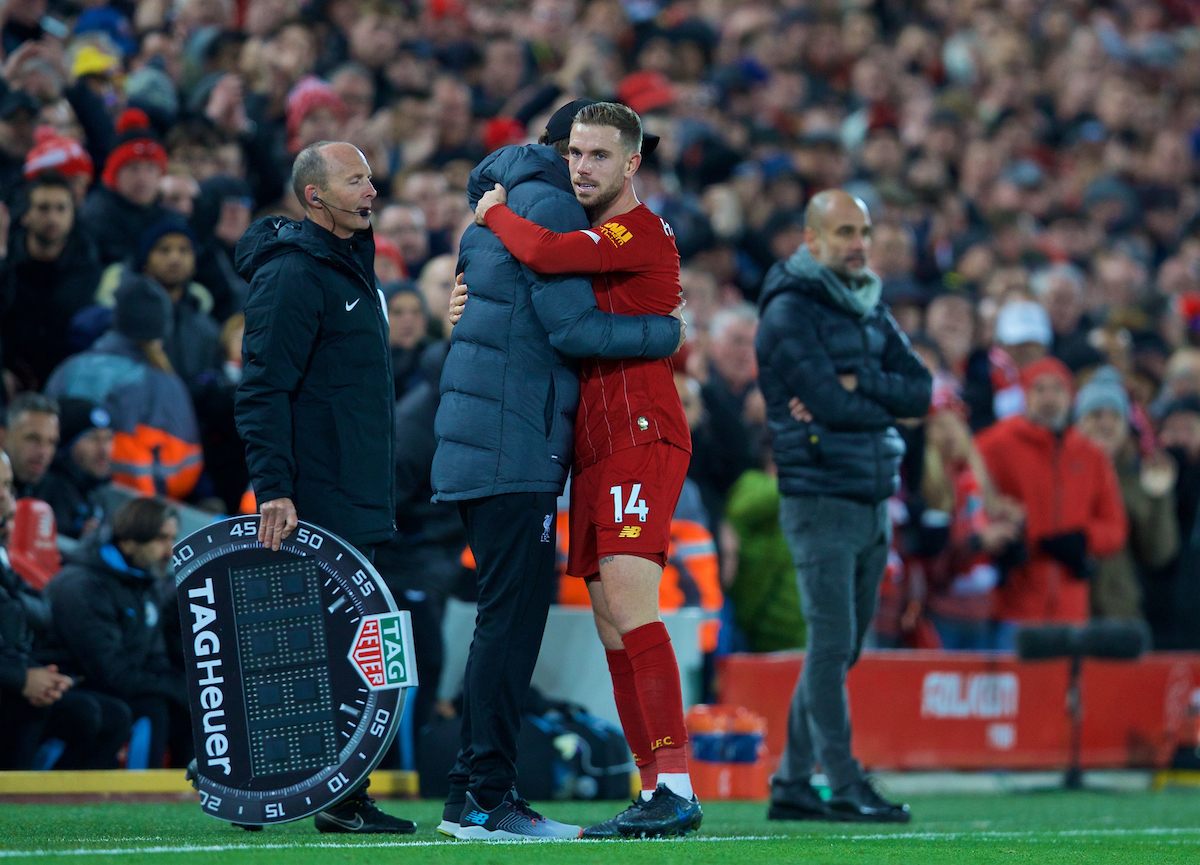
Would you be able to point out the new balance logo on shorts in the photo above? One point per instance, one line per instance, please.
(546, 528)
(630, 531)
(476, 817)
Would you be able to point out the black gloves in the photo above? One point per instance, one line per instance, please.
(1070, 549)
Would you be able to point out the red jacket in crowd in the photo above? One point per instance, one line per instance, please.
(1066, 484)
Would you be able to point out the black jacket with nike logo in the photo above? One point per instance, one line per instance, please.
(315, 404)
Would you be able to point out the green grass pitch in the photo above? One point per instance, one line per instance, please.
(1160, 828)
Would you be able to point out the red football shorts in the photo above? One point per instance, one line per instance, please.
(623, 505)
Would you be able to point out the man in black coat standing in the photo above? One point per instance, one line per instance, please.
(315, 404)
(836, 372)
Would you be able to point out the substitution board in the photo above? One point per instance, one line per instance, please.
(297, 661)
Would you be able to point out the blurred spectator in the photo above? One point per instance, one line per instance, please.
(156, 442)
(49, 274)
(421, 563)
(32, 437)
(408, 333)
(177, 192)
(1060, 289)
(964, 529)
(436, 282)
(1173, 608)
(1102, 414)
(82, 466)
(18, 122)
(404, 225)
(732, 403)
(221, 217)
(107, 625)
(762, 591)
(118, 212)
(1071, 498)
(37, 702)
(389, 263)
(166, 253)
(57, 154)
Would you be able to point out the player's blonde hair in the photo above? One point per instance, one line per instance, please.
(621, 117)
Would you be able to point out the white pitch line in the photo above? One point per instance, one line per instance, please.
(1031, 835)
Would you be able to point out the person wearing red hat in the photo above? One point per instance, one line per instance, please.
(61, 154)
(1072, 503)
(315, 112)
(124, 205)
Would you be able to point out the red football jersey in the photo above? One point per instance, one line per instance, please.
(623, 403)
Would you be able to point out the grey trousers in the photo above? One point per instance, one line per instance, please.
(840, 547)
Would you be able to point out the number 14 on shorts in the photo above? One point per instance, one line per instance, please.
(628, 507)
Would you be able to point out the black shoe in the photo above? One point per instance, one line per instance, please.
(797, 801)
(860, 802)
(667, 814)
(511, 820)
(359, 815)
(608, 829)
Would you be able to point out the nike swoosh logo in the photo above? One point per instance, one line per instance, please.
(354, 825)
(350, 306)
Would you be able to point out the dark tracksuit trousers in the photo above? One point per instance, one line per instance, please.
(513, 539)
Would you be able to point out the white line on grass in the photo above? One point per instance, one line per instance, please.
(1155, 832)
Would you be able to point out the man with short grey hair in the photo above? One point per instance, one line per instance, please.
(836, 373)
(316, 400)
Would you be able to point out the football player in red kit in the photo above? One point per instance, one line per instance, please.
(632, 448)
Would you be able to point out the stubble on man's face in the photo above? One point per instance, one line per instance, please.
(597, 158)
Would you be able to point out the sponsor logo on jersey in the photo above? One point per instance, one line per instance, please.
(616, 232)
(630, 531)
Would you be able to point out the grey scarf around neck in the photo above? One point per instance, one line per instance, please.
(858, 298)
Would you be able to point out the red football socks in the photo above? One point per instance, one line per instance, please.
(656, 677)
(629, 709)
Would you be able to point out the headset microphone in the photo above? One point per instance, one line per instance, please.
(364, 212)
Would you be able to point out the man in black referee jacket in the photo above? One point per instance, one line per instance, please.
(316, 400)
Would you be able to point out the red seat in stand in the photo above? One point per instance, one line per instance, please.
(33, 548)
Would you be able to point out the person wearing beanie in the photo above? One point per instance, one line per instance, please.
(167, 254)
(315, 113)
(63, 155)
(1073, 508)
(124, 204)
(389, 263)
(156, 439)
(1147, 483)
(49, 274)
(82, 467)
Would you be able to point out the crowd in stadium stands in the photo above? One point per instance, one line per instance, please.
(1030, 167)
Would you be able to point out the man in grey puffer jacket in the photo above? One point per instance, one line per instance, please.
(836, 373)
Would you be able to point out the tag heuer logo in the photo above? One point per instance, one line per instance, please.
(382, 651)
